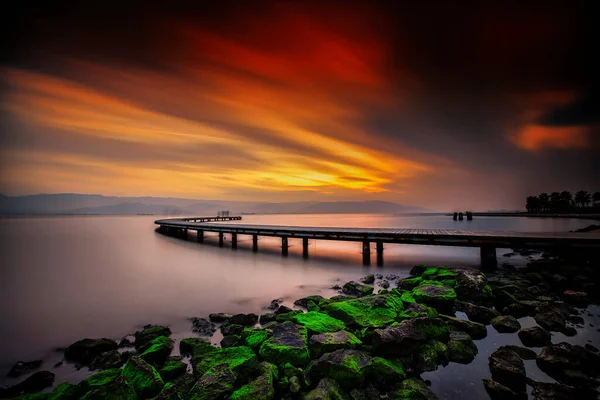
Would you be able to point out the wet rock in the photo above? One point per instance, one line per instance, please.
(550, 317)
(412, 388)
(480, 314)
(410, 283)
(335, 287)
(266, 318)
(295, 384)
(150, 332)
(262, 388)
(157, 350)
(173, 369)
(118, 389)
(557, 391)
(524, 353)
(34, 383)
(430, 355)
(231, 341)
(303, 302)
(506, 324)
(288, 344)
(23, 367)
(591, 348)
(218, 384)
(575, 319)
(203, 327)
(143, 377)
(576, 298)
(186, 346)
(373, 311)
(369, 279)
(391, 277)
(474, 329)
(385, 284)
(228, 328)
(356, 289)
(437, 296)
(508, 369)
(219, 317)
(331, 341)
(471, 283)
(534, 337)
(107, 360)
(316, 322)
(284, 310)
(99, 379)
(254, 337)
(348, 367)
(241, 360)
(327, 389)
(497, 391)
(274, 304)
(127, 341)
(385, 373)
(400, 340)
(244, 319)
(569, 364)
(85, 350)
(66, 391)
(177, 390)
(461, 348)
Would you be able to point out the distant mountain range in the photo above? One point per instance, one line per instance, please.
(94, 204)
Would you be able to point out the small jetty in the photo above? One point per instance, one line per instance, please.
(487, 241)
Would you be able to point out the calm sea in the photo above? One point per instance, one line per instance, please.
(66, 278)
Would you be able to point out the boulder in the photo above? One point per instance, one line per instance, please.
(471, 283)
(186, 346)
(327, 389)
(480, 314)
(557, 391)
(386, 373)
(266, 318)
(285, 310)
(217, 383)
(474, 329)
(99, 379)
(241, 360)
(150, 332)
(534, 337)
(119, 389)
(373, 311)
(173, 369)
(254, 337)
(288, 344)
(33, 383)
(508, 369)
(262, 388)
(231, 341)
(409, 283)
(66, 391)
(203, 327)
(331, 341)
(400, 340)
(569, 364)
(506, 324)
(430, 355)
(303, 302)
(244, 319)
(157, 350)
(524, 353)
(369, 279)
(274, 304)
(107, 360)
(576, 298)
(498, 391)
(177, 390)
(461, 348)
(550, 316)
(144, 378)
(413, 389)
(23, 367)
(348, 367)
(316, 322)
(228, 328)
(356, 289)
(440, 297)
(219, 317)
(85, 350)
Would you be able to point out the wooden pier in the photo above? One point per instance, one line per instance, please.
(487, 241)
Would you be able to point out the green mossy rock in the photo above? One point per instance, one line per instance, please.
(118, 389)
(312, 306)
(157, 350)
(241, 360)
(107, 360)
(303, 302)
(506, 324)
(461, 348)
(357, 289)
(151, 332)
(217, 383)
(412, 389)
(316, 322)
(474, 329)
(144, 378)
(254, 337)
(202, 350)
(231, 341)
(99, 379)
(374, 311)
(410, 283)
(480, 314)
(348, 367)
(431, 355)
(186, 346)
(327, 389)
(228, 328)
(431, 328)
(172, 369)
(262, 388)
(288, 316)
(415, 310)
(386, 373)
(34, 396)
(177, 390)
(434, 295)
(66, 391)
(331, 341)
(84, 351)
(288, 344)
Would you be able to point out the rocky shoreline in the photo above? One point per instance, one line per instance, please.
(358, 344)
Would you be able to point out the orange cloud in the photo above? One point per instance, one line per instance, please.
(536, 137)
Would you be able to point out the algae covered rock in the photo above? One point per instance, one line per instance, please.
(241, 360)
(119, 389)
(327, 389)
(348, 367)
(216, 383)
(252, 337)
(430, 355)
(66, 391)
(535, 337)
(186, 346)
(244, 319)
(107, 360)
(289, 343)
(172, 369)
(368, 279)
(480, 314)
(506, 324)
(85, 350)
(474, 329)
(357, 289)
(437, 296)
(203, 327)
(373, 311)
(178, 390)
(316, 322)
(33, 383)
(410, 283)
(262, 388)
(303, 302)
(331, 341)
(231, 341)
(461, 348)
(412, 389)
(228, 328)
(524, 353)
(144, 378)
(219, 317)
(508, 369)
(99, 379)
(399, 340)
(156, 350)
(386, 373)
(150, 332)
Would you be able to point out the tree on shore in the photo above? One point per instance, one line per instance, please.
(563, 202)
(596, 198)
(582, 197)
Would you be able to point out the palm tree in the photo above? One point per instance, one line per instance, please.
(566, 198)
(532, 204)
(582, 197)
(554, 201)
(544, 201)
(596, 197)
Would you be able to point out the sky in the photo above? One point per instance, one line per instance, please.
(435, 105)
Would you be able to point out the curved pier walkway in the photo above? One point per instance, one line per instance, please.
(487, 241)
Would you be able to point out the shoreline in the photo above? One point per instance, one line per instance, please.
(594, 217)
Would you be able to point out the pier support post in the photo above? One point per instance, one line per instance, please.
(200, 236)
(305, 247)
(455, 216)
(460, 216)
(255, 243)
(220, 239)
(184, 234)
(379, 253)
(366, 251)
(284, 245)
(234, 240)
(488, 257)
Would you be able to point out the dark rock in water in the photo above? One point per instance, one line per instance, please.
(85, 350)
(474, 329)
(34, 383)
(576, 298)
(591, 348)
(143, 377)
(535, 337)
(186, 346)
(470, 283)
(107, 360)
(58, 364)
(244, 319)
(118, 389)
(241, 360)
(157, 350)
(356, 289)
(219, 317)
(150, 332)
(266, 318)
(274, 304)
(409, 283)
(348, 367)
(575, 319)
(178, 390)
(400, 340)
(412, 388)
(461, 348)
(497, 391)
(550, 317)
(303, 302)
(430, 355)
(260, 388)
(127, 341)
(230, 341)
(371, 311)
(385, 284)
(506, 324)
(369, 279)
(573, 365)
(480, 314)
(216, 385)
(283, 310)
(569, 331)
(331, 341)
(327, 389)
(524, 353)
(385, 373)
(557, 391)
(203, 327)
(23, 367)
(335, 287)
(229, 328)
(288, 344)
(173, 369)
(391, 277)
(508, 369)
